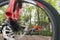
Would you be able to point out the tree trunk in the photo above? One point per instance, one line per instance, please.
(38, 17)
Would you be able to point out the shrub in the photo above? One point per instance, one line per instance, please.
(43, 33)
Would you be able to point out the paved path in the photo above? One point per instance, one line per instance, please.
(1, 38)
(34, 37)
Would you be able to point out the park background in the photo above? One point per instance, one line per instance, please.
(43, 17)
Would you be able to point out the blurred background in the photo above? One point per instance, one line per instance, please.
(31, 15)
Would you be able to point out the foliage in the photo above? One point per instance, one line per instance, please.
(26, 15)
(2, 18)
(52, 2)
(43, 33)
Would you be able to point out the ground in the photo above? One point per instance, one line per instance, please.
(32, 37)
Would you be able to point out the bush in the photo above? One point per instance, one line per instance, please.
(45, 33)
